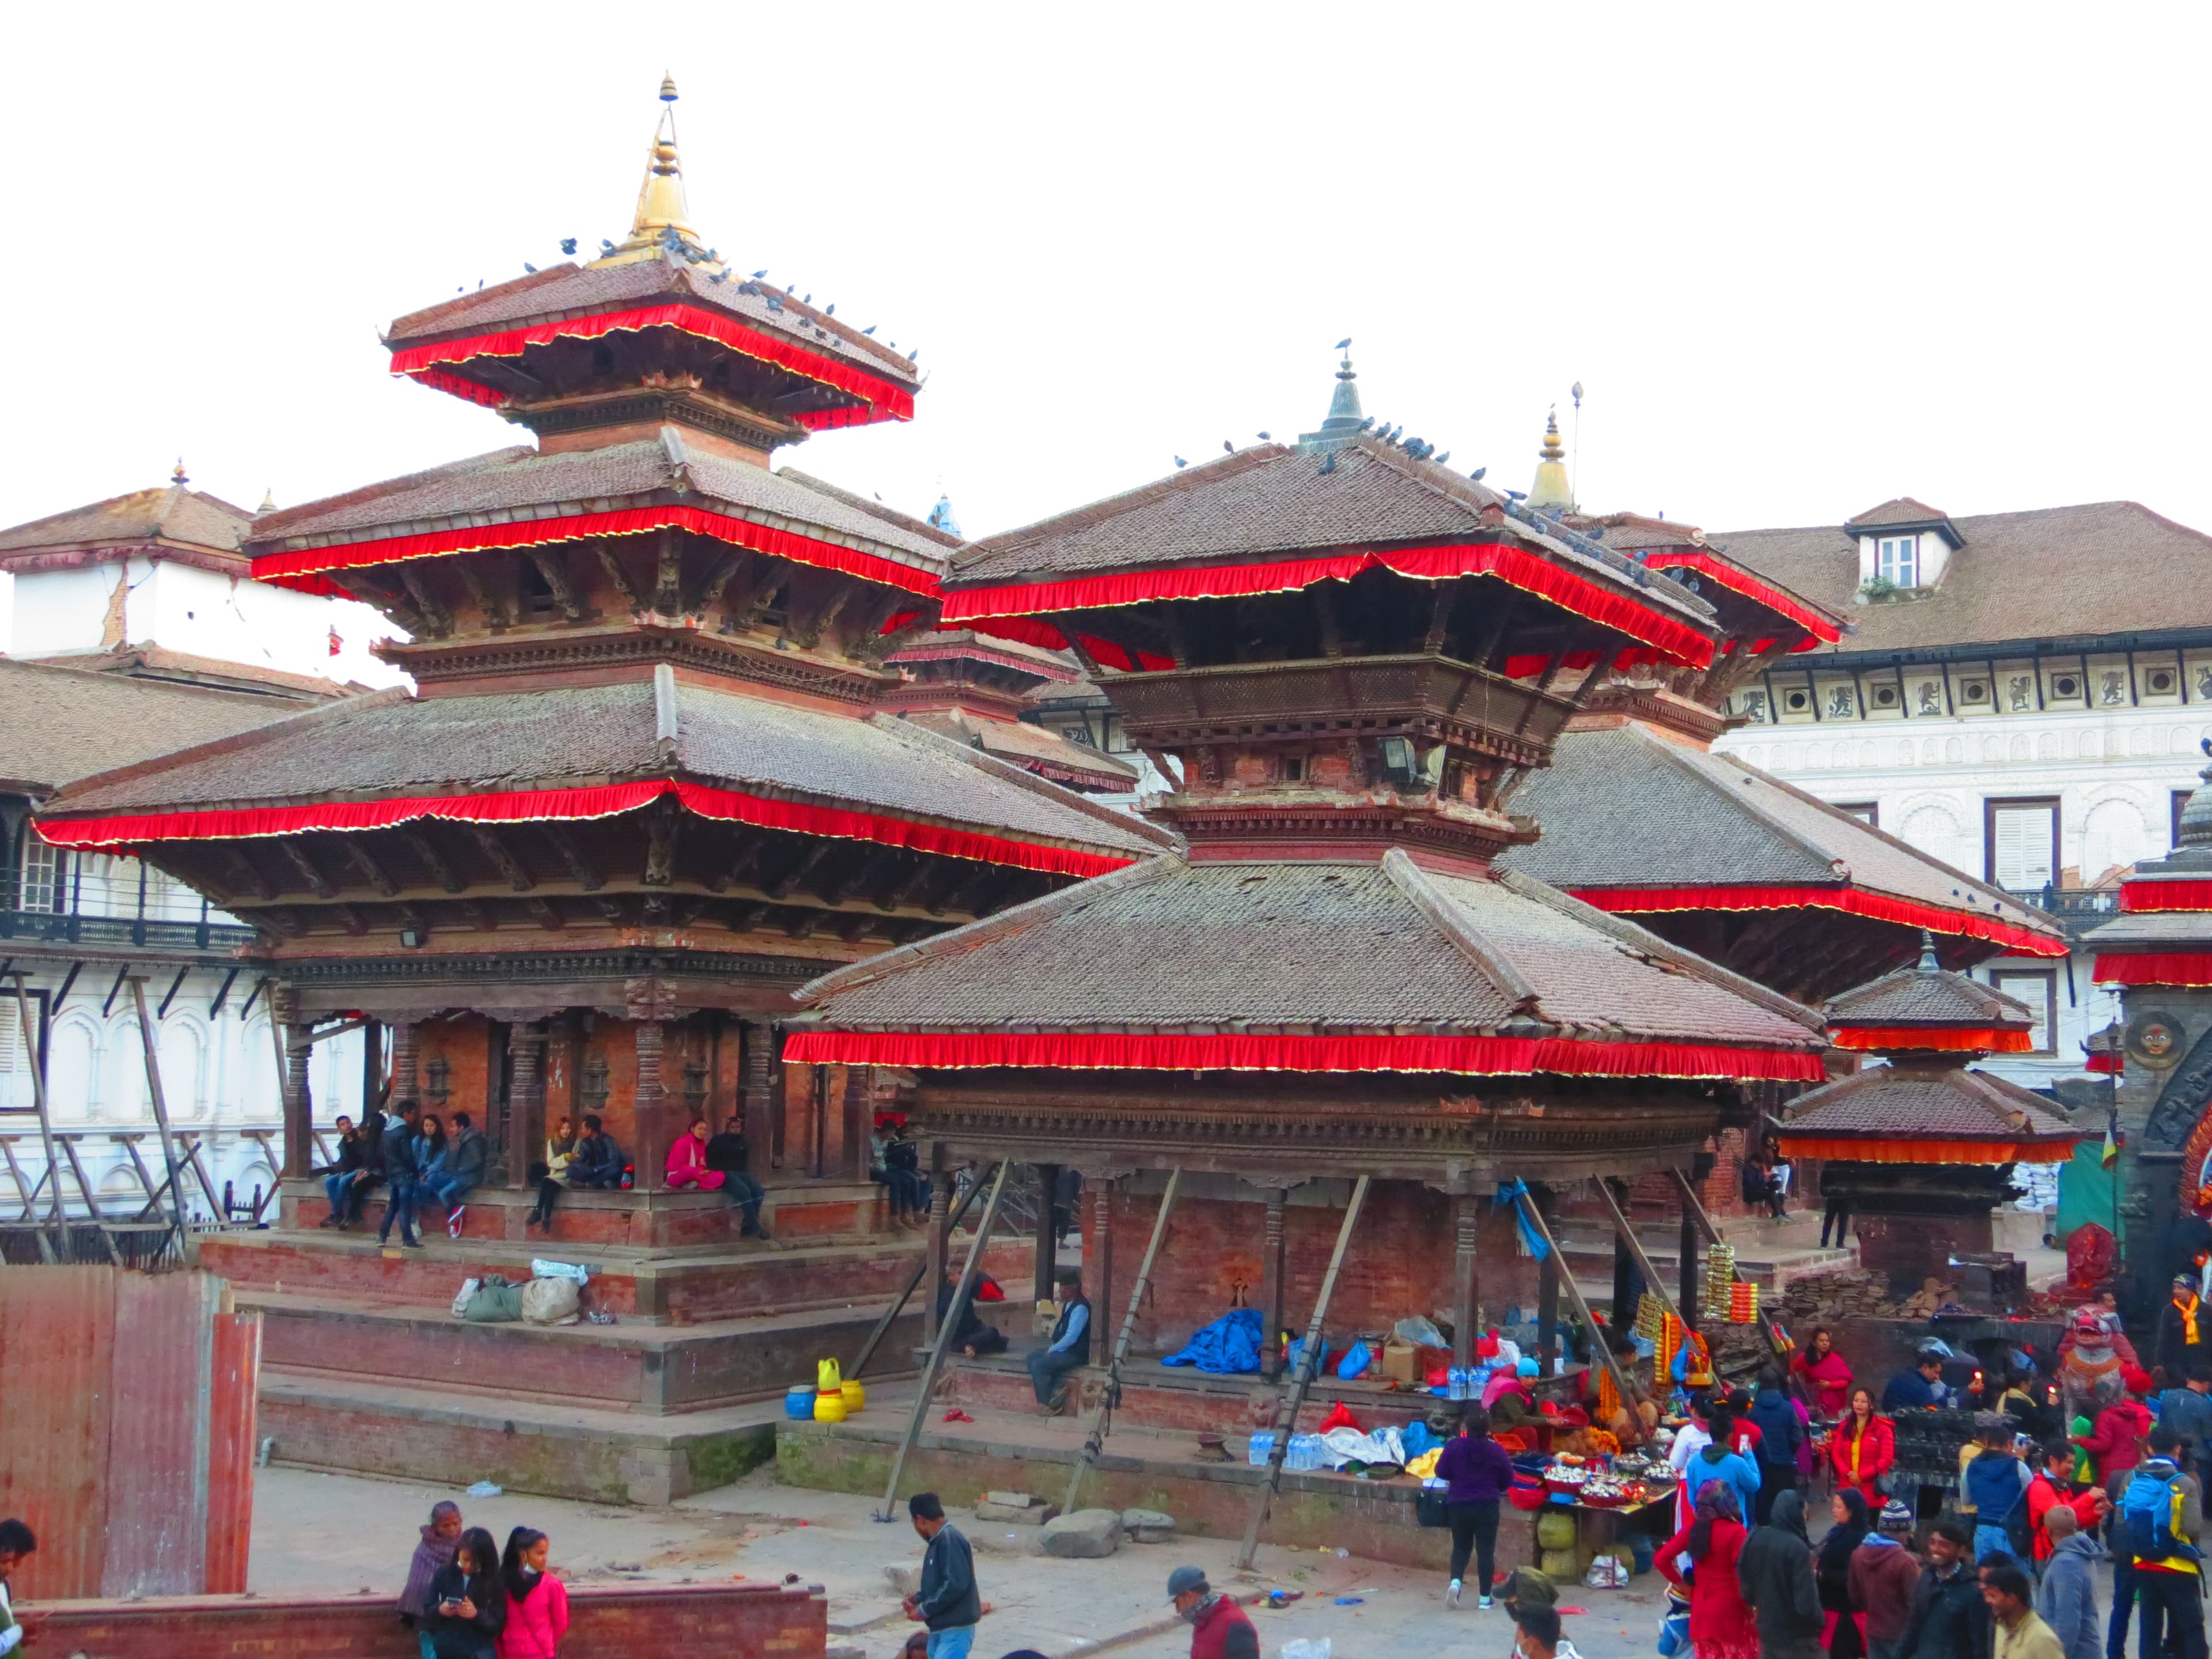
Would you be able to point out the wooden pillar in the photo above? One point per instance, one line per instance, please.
(940, 1234)
(1685, 1302)
(1098, 1259)
(1547, 1290)
(406, 1080)
(1270, 1285)
(1466, 1276)
(525, 1111)
(1047, 1237)
(1626, 1280)
(299, 1102)
(653, 1114)
(860, 1084)
(372, 1066)
(756, 1076)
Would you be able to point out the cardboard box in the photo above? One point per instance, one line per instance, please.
(1401, 1361)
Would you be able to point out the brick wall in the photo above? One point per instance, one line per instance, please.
(673, 1622)
(1398, 1263)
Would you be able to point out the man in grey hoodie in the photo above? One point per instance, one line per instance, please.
(2067, 1599)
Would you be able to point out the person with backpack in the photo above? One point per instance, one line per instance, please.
(1995, 1484)
(1781, 1436)
(2161, 1515)
(2186, 1408)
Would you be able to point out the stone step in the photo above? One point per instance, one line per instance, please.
(654, 1369)
(360, 1426)
(656, 1286)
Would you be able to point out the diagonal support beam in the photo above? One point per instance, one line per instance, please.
(1102, 1420)
(502, 857)
(1287, 1421)
(432, 860)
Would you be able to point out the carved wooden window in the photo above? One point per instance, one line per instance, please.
(595, 1082)
(438, 1080)
(695, 1087)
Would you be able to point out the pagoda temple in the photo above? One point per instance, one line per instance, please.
(1351, 657)
(1641, 819)
(645, 785)
(1923, 1146)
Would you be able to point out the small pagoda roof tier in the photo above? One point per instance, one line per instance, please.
(2104, 1051)
(1727, 861)
(648, 801)
(1924, 1008)
(2163, 934)
(1036, 751)
(1308, 967)
(1275, 520)
(973, 689)
(1758, 612)
(659, 326)
(1926, 1113)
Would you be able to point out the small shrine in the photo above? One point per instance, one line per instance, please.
(1923, 1146)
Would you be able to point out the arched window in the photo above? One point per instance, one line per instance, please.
(2113, 835)
(73, 1068)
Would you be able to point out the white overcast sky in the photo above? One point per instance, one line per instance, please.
(1801, 258)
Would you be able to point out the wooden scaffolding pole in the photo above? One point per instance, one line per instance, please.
(57, 1224)
(185, 1246)
(1627, 1235)
(945, 1329)
(913, 1281)
(1534, 1215)
(1111, 1396)
(1286, 1423)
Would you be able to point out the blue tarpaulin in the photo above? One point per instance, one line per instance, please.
(1230, 1345)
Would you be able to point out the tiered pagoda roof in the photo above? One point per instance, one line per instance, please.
(1641, 819)
(649, 664)
(2163, 934)
(1356, 656)
(1927, 1106)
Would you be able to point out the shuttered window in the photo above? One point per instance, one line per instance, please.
(44, 871)
(2022, 838)
(2036, 991)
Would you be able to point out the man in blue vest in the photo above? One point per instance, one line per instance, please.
(1069, 1350)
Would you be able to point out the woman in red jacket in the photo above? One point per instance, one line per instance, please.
(1720, 1623)
(2115, 1444)
(1863, 1446)
(536, 1601)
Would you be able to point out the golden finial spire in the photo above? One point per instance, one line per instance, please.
(178, 477)
(1551, 489)
(661, 208)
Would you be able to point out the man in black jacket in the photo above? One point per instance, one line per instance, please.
(728, 1153)
(1780, 1435)
(396, 1148)
(598, 1161)
(947, 1602)
(1949, 1618)
(1775, 1572)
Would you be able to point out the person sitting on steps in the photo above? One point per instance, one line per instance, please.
(598, 1162)
(729, 1156)
(1069, 1350)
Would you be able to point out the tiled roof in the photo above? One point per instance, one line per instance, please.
(1902, 509)
(514, 480)
(65, 723)
(1273, 500)
(2055, 572)
(171, 513)
(386, 745)
(1929, 1102)
(874, 509)
(940, 643)
(1621, 807)
(1020, 743)
(2151, 928)
(1307, 948)
(1928, 996)
(567, 290)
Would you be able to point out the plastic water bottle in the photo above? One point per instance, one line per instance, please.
(1262, 1446)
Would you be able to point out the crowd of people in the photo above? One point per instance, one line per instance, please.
(419, 1161)
(465, 1598)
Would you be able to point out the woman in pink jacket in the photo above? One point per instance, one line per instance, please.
(687, 1161)
(536, 1601)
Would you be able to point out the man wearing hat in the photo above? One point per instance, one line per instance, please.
(1219, 1628)
(1883, 1571)
(2183, 1324)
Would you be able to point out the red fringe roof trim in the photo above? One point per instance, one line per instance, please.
(302, 569)
(2153, 968)
(2166, 895)
(1880, 906)
(1470, 1056)
(1985, 1040)
(1888, 1151)
(1509, 564)
(1750, 587)
(885, 401)
(2105, 1065)
(572, 806)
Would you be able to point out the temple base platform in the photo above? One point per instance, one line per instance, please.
(366, 1369)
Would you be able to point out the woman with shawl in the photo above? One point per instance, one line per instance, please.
(1720, 1623)
(1844, 1633)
